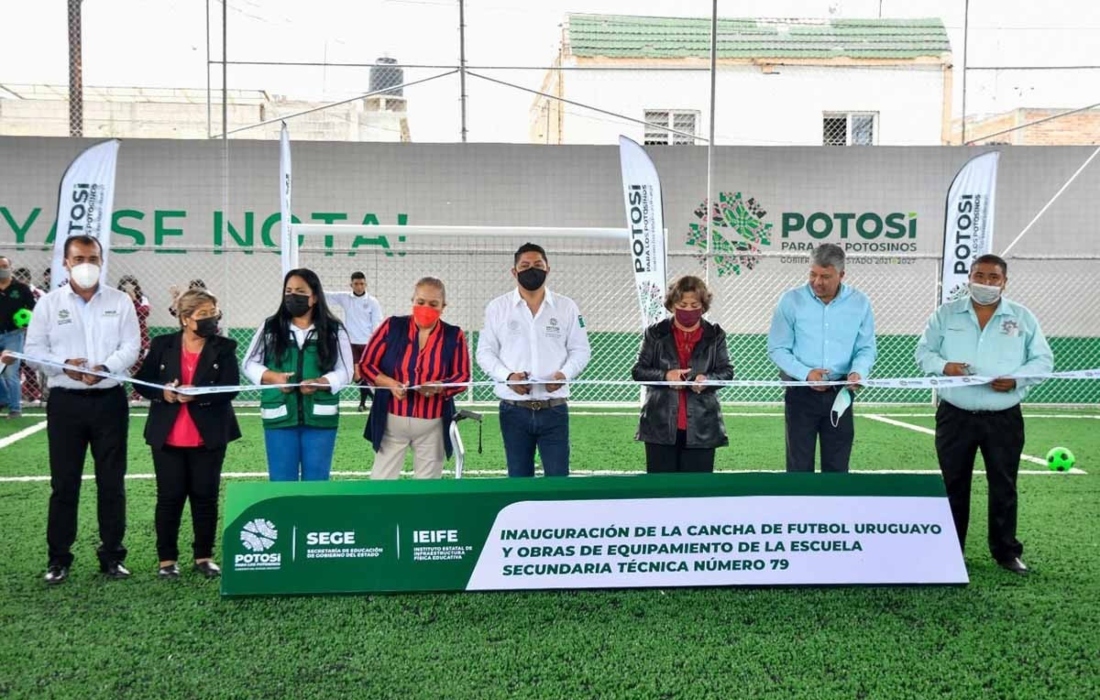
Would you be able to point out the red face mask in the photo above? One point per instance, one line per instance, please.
(426, 316)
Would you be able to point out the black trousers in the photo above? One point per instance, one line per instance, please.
(98, 418)
(664, 459)
(1000, 437)
(187, 473)
(364, 388)
(808, 418)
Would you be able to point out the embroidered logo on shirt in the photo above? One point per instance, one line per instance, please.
(111, 312)
(1010, 327)
(63, 314)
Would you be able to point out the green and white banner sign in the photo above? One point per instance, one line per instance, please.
(612, 532)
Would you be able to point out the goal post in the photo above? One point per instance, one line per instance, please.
(591, 265)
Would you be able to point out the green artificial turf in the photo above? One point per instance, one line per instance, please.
(1000, 637)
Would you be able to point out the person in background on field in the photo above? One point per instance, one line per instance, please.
(174, 293)
(89, 326)
(988, 335)
(422, 350)
(362, 315)
(301, 343)
(16, 298)
(822, 331)
(188, 433)
(32, 380)
(130, 285)
(685, 348)
(532, 333)
(23, 276)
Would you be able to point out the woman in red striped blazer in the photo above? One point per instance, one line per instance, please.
(420, 351)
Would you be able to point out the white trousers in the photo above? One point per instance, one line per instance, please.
(424, 436)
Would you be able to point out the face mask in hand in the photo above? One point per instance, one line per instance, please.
(841, 403)
(531, 279)
(985, 294)
(85, 275)
(297, 305)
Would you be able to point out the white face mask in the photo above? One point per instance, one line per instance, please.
(85, 275)
(841, 404)
(985, 294)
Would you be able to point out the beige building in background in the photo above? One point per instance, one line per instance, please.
(1009, 128)
(181, 113)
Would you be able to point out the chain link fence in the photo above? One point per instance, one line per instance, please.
(596, 274)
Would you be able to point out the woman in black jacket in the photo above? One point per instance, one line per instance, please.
(681, 426)
(188, 433)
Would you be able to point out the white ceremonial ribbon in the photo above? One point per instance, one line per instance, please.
(888, 383)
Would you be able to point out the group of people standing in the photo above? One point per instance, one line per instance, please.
(533, 343)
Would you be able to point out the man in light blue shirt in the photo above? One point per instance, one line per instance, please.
(985, 335)
(821, 331)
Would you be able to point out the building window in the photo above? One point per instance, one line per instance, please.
(683, 121)
(849, 129)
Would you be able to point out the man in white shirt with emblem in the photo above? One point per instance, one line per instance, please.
(88, 325)
(362, 315)
(532, 334)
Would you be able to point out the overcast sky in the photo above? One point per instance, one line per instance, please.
(162, 43)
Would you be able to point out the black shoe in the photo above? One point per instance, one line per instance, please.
(1015, 565)
(362, 406)
(115, 570)
(172, 571)
(208, 569)
(56, 574)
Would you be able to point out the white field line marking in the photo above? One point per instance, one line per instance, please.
(504, 472)
(1035, 415)
(930, 431)
(25, 432)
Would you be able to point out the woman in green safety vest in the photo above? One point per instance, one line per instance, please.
(303, 344)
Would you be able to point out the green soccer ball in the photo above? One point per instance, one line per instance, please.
(1060, 459)
(22, 318)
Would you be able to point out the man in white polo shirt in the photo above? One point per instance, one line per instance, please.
(89, 325)
(533, 334)
(362, 315)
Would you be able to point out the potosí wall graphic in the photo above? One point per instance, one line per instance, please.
(610, 532)
(740, 229)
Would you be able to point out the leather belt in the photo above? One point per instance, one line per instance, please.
(537, 404)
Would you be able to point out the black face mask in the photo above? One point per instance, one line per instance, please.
(206, 327)
(296, 305)
(532, 278)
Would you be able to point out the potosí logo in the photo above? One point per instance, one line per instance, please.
(868, 232)
(258, 536)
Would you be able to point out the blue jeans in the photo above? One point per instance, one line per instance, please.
(299, 454)
(524, 430)
(11, 391)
